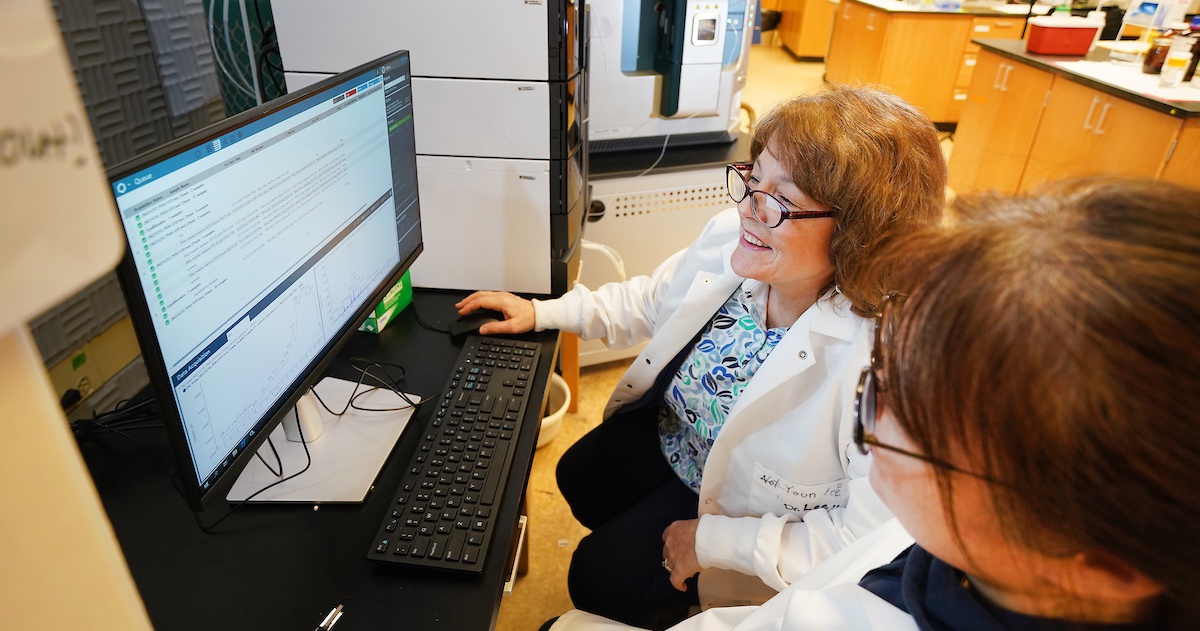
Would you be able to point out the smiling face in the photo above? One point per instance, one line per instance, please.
(794, 256)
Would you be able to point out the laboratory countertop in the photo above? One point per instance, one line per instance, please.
(986, 9)
(1098, 70)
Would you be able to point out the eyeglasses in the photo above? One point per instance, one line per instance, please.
(866, 396)
(768, 210)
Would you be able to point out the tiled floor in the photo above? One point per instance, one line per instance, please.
(553, 533)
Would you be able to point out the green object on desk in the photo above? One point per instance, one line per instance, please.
(397, 298)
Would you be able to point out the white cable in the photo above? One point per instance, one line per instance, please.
(229, 47)
(212, 40)
(612, 255)
(254, 78)
(590, 73)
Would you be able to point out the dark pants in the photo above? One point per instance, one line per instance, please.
(619, 485)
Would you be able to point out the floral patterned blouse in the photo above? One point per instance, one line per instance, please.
(708, 383)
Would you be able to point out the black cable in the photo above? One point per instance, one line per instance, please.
(238, 504)
(117, 410)
(258, 16)
(264, 61)
(121, 420)
(387, 380)
(425, 324)
(363, 366)
(122, 433)
(1028, 14)
(278, 460)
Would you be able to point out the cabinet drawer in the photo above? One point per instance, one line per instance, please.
(965, 70)
(999, 28)
(958, 98)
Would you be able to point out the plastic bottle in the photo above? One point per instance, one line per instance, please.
(1194, 33)
(1157, 53)
(1178, 58)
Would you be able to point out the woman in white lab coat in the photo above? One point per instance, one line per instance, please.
(1033, 406)
(727, 447)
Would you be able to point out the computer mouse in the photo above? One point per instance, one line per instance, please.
(469, 324)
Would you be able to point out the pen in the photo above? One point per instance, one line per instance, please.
(335, 614)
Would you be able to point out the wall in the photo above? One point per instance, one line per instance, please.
(147, 76)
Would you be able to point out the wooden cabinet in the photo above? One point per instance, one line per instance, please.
(998, 123)
(997, 27)
(922, 56)
(856, 43)
(1183, 163)
(806, 26)
(1084, 131)
(922, 60)
(1025, 125)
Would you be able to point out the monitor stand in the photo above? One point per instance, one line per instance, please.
(346, 456)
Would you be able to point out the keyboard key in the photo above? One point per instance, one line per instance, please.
(454, 546)
(437, 548)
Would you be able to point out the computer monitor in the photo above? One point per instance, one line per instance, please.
(257, 247)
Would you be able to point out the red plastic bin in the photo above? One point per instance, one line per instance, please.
(1062, 36)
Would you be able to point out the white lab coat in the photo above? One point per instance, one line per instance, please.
(826, 599)
(786, 450)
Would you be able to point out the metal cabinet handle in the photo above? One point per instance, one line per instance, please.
(1004, 83)
(1100, 122)
(870, 21)
(1087, 120)
(999, 72)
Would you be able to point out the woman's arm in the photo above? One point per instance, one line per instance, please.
(628, 312)
(622, 314)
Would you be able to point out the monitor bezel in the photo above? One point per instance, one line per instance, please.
(139, 310)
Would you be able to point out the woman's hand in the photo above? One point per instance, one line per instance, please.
(679, 552)
(518, 312)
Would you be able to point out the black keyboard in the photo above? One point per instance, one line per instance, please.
(441, 516)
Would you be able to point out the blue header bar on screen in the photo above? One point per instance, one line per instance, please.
(160, 169)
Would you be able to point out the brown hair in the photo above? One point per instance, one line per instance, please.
(1053, 343)
(868, 154)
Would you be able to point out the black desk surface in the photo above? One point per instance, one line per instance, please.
(286, 567)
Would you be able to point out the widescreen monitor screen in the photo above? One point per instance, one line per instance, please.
(257, 246)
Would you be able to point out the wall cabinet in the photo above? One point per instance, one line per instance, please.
(998, 123)
(923, 56)
(806, 26)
